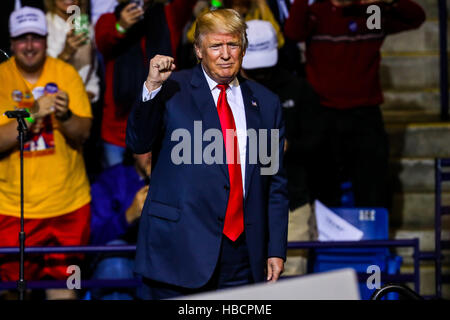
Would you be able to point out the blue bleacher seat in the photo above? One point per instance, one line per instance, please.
(373, 222)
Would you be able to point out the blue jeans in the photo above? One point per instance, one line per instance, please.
(112, 154)
(114, 268)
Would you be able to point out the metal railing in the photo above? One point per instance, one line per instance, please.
(104, 283)
(440, 210)
(85, 284)
(414, 243)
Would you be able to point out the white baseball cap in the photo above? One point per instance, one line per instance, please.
(27, 20)
(262, 51)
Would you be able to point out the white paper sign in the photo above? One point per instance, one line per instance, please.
(331, 227)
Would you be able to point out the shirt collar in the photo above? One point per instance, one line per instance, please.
(212, 84)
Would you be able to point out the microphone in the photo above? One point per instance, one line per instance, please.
(20, 115)
(17, 114)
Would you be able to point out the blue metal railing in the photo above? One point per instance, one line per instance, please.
(440, 176)
(414, 243)
(102, 283)
(85, 284)
(71, 249)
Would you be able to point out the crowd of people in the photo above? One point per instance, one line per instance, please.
(80, 74)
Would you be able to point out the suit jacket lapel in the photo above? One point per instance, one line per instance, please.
(205, 103)
(253, 120)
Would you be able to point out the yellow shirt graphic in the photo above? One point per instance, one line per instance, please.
(55, 180)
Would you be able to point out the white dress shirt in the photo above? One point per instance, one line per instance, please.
(236, 102)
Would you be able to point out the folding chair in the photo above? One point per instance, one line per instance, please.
(373, 222)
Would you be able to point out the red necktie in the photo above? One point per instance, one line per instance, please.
(234, 216)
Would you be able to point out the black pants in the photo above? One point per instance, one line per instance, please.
(346, 145)
(232, 270)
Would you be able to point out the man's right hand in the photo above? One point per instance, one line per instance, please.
(73, 42)
(131, 14)
(43, 106)
(160, 69)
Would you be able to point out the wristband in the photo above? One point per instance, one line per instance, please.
(66, 116)
(30, 119)
(120, 29)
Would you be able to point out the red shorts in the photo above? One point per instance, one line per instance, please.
(71, 229)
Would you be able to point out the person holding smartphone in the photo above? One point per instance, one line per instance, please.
(71, 42)
(127, 39)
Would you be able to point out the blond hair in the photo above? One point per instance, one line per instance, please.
(50, 6)
(220, 21)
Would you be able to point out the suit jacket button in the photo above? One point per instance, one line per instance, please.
(226, 187)
(220, 218)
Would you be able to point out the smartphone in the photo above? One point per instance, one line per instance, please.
(82, 25)
(139, 3)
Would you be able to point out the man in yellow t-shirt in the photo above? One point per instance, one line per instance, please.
(56, 188)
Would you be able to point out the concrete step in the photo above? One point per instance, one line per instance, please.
(416, 210)
(398, 117)
(427, 271)
(419, 140)
(427, 285)
(413, 175)
(426, 242)
(431, 8)
(413, 102)
(423, 39)
(409, 72)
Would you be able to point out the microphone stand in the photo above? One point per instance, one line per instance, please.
(20, 115)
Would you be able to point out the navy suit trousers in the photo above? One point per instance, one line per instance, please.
(233, 269)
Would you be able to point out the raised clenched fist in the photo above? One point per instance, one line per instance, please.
(160, 69)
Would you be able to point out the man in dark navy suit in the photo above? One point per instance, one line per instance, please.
(216, 213)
